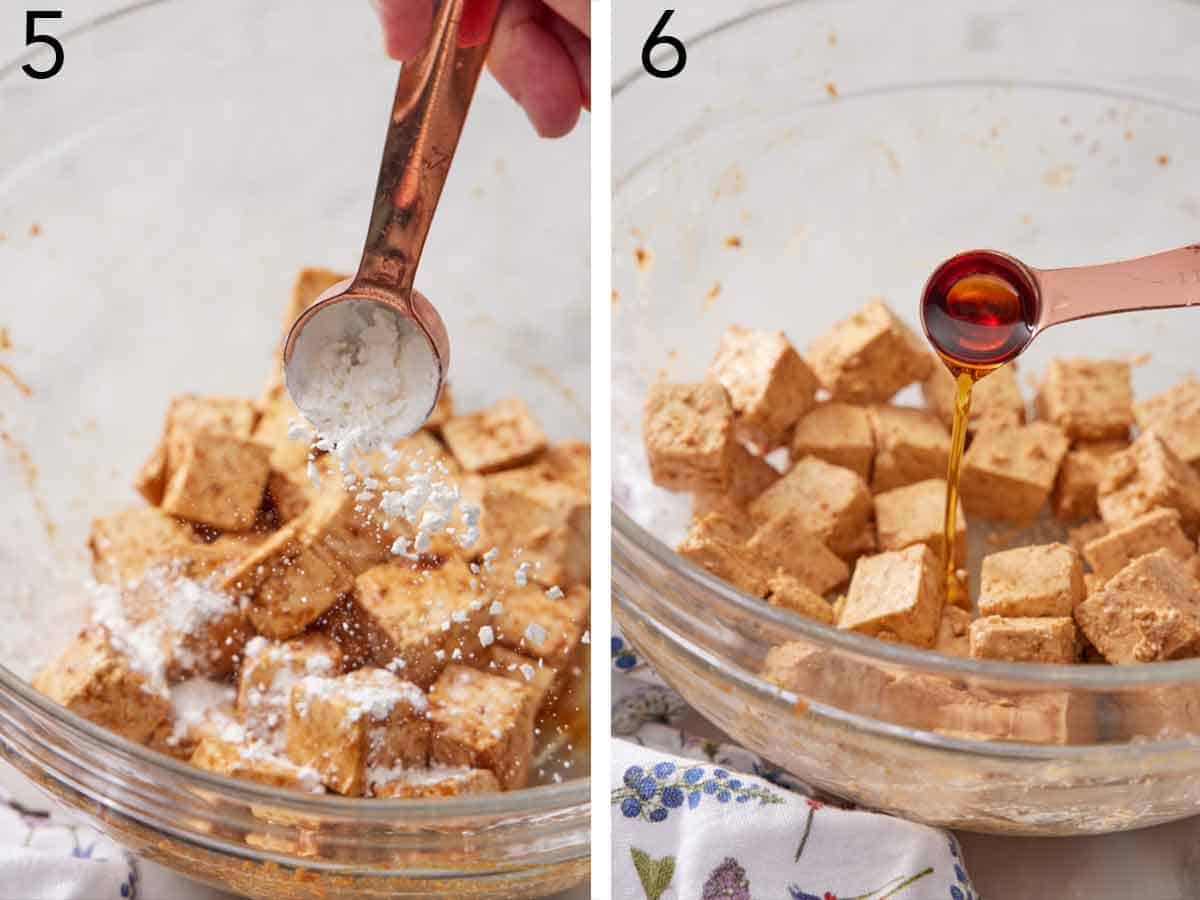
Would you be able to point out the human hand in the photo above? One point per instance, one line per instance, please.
(540, 54)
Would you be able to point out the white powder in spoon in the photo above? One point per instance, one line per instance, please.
(363, 375)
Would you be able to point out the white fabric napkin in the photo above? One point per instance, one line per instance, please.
(696, 818)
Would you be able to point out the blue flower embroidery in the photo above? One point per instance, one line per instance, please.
(623, 657)
(652, 795)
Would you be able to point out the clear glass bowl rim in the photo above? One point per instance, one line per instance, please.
(535, 800)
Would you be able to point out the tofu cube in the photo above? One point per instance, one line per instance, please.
(311, 282)
(421, 618)
(1042, 639)
(92, 679)
(539, 623)
(482, 721)
(870, 356)
(200, 709)
(548, 522)
(1026, 582)
(1146, 476)
(1089, 399)
(189, 414)
(568, 463)
(274, 423)
(718, 545)
(749, 476)
(913, 514)
(288, 583)
(287, 497)
(253, 762)
(429, 784)
(995, 400)
(896, 595)
(503, 436)
(688, 432)
(127, 544)
(1148, 611)
(269, 671)
(1082, 535)
(1007, 473)
(1157, 530)
(836, 502)
(1079, 479)
(354, 536)
(1175, 415)
(911, 445)
(770, 386)
(790, 593)
(543, 680)
(838, 433)
(344, 726)
(782, 544)
(219, 481)
(348, 625)
(819, 675)
(954, 632)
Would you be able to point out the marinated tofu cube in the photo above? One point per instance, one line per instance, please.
(1089, 399)
(1148, 611)
(995, 400)
(200, 708)
(503, 436)
(783, 544)
(428, 784)
(287, 497)
(344, 726)
(868, 357)
(1042, 639)
(219, 481)
(1146, 476)
(94, 680)
(253, 762)
(288, 583)
(548, 522)
(1079, 478)
(419, 620)
(822, 676)
(269, 671)
(568, 463)
(187, 415)
(1025, 582)
(274, 428)
(125, 545)
(770, 386)
(914, 514)
(838, 433)
(1008, 473)
(1082, 535)
(355, 536)
(348, 625)
(836, 502)
(688, 432)
(953, 637)
(896, 595)
(543, 680)
(911, 445)
(482, 721)
(311, 282)
(541, 623)
(1157, 530)
(749, 476)
(787, 592)
(1175, 416)
(718, 545)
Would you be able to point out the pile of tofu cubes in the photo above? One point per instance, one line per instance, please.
(266, 630)
(843, 522)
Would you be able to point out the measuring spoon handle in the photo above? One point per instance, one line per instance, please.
(1159, 281)
(432, 98)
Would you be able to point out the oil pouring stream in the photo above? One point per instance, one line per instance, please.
(982, 308)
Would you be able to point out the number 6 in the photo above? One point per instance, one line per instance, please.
(656, 39)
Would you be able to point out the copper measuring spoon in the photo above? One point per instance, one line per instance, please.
(433, 95)
(982, 308)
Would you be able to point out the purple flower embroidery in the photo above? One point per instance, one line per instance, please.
(727, 882)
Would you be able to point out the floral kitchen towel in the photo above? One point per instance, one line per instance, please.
(698, 818)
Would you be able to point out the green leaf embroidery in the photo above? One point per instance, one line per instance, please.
(655, 874)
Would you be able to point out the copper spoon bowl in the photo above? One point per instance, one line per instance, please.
(433, 96)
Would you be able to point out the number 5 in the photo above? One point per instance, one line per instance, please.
(32, 37)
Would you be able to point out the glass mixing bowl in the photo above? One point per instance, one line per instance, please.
(849, 147)
(157, 198)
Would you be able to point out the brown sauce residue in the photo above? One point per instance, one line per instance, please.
(734, 241)
(29, 471)
(642, 256)
(12, 376)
